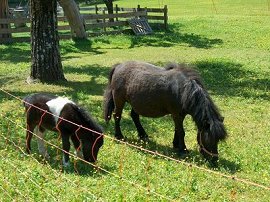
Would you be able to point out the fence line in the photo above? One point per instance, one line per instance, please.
(94, 165)
(35, 183)
(14, 188)
(55, 172)
(6, 193)
(155, 153)
(93, 21)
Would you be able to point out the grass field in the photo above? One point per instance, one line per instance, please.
(228, 42)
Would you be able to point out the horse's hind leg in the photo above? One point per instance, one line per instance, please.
(41, 144)
(179, 135)
(141, 132)
(119, 105)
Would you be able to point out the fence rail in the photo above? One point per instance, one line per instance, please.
(97, 22)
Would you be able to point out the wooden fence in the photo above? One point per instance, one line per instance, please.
(96, 22)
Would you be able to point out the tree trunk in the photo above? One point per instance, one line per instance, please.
(4, 13)
(109, 5)
(76, 21)
(46, 60)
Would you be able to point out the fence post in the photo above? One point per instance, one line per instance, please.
(104, 21)
(4, 14)
(96, 8)
(166, 17)
(116, 11)
(96, 11)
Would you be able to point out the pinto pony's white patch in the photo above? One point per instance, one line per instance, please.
(56, 105)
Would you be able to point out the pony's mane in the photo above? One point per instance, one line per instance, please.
(84, 115)
(189, 72)
(196, 101)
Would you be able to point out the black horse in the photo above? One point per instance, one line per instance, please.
(88, 141)
(154, 92)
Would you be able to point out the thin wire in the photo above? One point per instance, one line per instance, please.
(55, 172)
(35, 183)
(248, 182)
(6, 193)
(14, 188)
(94, 165)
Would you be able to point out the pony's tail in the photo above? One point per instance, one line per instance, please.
(108, 102)
(26, 100)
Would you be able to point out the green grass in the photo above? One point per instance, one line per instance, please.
(230, 49)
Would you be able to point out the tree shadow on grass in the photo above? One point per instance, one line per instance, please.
(15, 53)
(93, 86)
(21, 52)
(78, 46)
(193, 158)
(231, 79)
(157, 143)
(174, 37)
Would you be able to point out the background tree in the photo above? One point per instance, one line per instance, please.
(46, 61)
(76, 21)
(4, 14)
(109, 5)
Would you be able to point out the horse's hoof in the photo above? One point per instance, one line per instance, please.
(144, 139)
(183, 153)
(175, 146)
(47, 156)
(120, 137)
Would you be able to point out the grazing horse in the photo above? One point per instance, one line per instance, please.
(37, 106)
(154, 92)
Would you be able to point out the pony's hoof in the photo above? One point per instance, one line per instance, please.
(66, 164)
(47, 156)
(183, 153)
(120, 137)
(144, 139)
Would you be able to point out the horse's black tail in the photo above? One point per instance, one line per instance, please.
(108, 102)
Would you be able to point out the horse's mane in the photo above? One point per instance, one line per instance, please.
(189, 72)
(84, 115)
(196, 101)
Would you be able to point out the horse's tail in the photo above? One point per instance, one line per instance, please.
(108, 102)
(26, 101)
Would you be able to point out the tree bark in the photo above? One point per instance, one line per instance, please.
(4, 13)
(109, 5)
(76, 21)
(46, 61)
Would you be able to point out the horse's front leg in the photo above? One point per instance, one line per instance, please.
(141, 132)
(77, 146)
(41, 144)
(66, 148)
(179, 135)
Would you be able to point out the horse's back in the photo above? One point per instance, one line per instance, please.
(137, 66)
(146, 87)
(37, 98)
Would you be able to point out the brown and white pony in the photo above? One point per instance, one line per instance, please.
(37, 105)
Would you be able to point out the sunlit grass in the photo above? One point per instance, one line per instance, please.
(231, 51)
